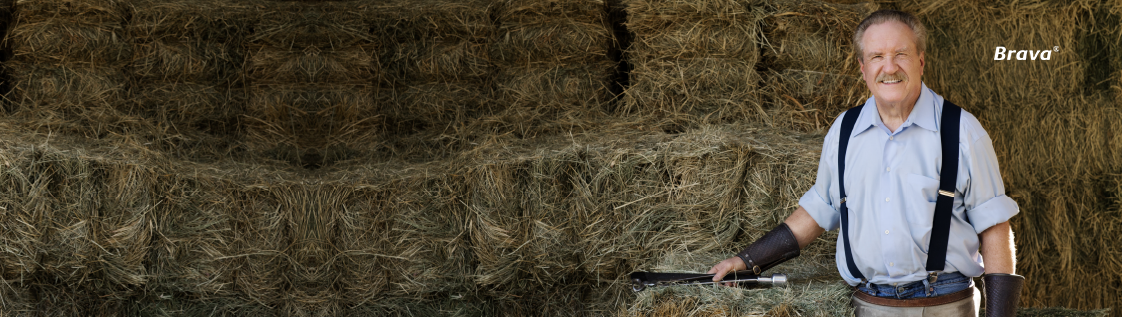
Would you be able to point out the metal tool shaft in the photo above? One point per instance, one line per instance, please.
(642, 280)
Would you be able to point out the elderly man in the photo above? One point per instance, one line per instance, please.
(913, 183)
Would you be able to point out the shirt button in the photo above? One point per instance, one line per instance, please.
(887, 169)
(886, 199)
(889, 263)
(886, 232)
(890, 138)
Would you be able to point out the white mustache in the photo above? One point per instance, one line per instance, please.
(901, 76)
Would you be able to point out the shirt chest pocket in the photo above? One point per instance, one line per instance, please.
(919, 193)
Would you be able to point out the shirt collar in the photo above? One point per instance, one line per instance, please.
(923, 114)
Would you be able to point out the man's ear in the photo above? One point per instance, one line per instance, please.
(921, 61)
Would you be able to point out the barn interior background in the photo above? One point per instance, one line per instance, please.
(502, 157)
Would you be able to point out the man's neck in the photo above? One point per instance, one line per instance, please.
(894, 115)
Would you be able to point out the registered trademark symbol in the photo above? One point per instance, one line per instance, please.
(1055, 48)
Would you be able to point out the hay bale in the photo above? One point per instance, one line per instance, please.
(813, 35)
(808, 100)
(401, 234)
(82, 32)
(965, 70)
(405, 21)
(1045, 141)
(171, 61)
(189, 40)
(270, 65)
(191, 21)
(62, 88)
(84, 100)
(654, 12)
(700, 88)
(592, 11)
(93, 11)
(437, 105)
(190, 120)
(734, 36)
(557, 41)
(311, 126)
(77, 221)
(592, 212)
(60, 40)
(558, 89)
(1049, 214)
(693, 60)
(295, 42)
(813, 72)
(426, 61)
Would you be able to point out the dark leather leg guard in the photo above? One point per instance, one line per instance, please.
(775, 247)
(1003, 292)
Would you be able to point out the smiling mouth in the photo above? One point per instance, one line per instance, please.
(891, 81)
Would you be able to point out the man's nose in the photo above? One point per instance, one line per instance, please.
(890, 66)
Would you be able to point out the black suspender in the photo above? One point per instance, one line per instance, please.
(843, 139)
(941, 224)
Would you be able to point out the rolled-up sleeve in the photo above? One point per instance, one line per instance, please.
(985, 200)
(818, 201)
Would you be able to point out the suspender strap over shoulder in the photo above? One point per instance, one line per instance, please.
(944, 204)
(948, 177)
(847, 128)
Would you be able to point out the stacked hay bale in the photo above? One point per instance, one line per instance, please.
(1051, 123)
(554, 69)
(187, 76)
(312, 76)
(693, 61)
(65, 70)
(573, 214)
(812, 71)
(80, 227)
(437, 71)
(403, 236)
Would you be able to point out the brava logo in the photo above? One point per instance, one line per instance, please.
(1003, 54)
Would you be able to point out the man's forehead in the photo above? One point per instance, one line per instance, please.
(889, 35)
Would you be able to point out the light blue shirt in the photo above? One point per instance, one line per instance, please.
(892, 179)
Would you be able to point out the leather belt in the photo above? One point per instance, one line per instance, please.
(915, 302)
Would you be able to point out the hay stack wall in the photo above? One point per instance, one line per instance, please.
(694, 60)
(467, 157)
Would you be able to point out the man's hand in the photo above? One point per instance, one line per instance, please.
(727, 266)
(802, 226)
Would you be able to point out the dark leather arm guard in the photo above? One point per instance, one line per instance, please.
(1003, 291)
(775, 247)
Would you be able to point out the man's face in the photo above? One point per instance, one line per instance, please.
(891, 65)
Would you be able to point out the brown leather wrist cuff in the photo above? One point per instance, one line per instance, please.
(775, 247)
(1003, 292)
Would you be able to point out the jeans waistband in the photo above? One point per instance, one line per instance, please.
(946, 283)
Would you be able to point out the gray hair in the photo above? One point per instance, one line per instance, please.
(882, 16)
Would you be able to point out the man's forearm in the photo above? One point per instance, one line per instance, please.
(804, 227)
(998, 250)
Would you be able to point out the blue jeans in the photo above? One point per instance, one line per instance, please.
(946, 283)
